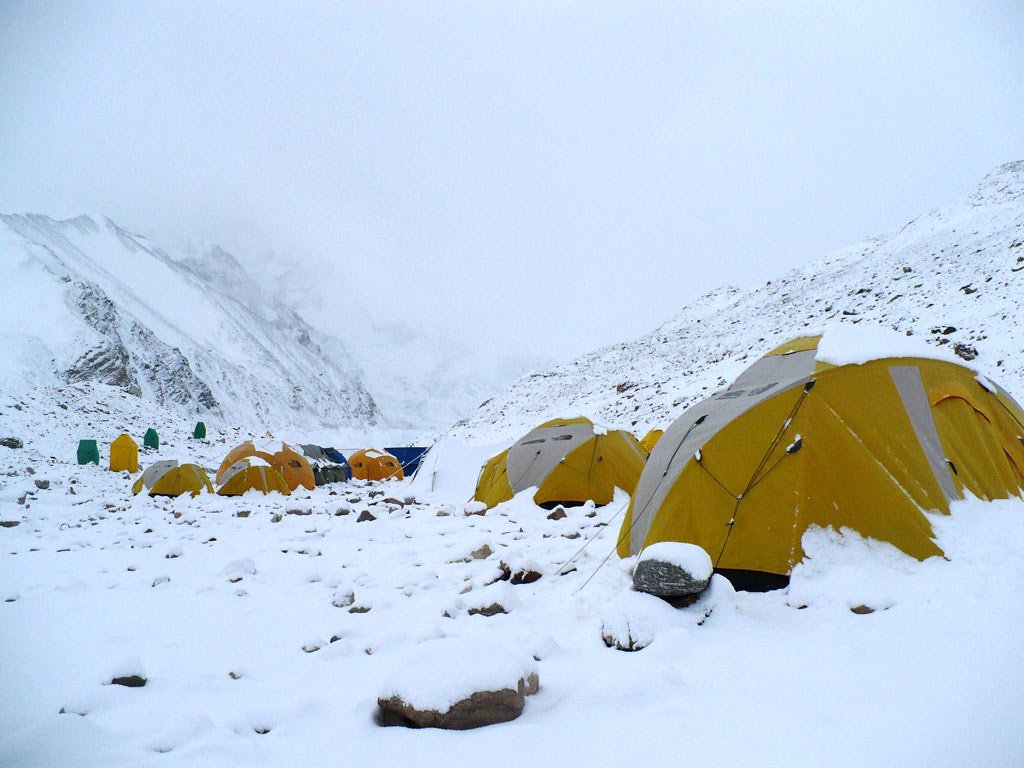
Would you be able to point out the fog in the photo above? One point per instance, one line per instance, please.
(538, 178)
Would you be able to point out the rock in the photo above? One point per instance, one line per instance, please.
(243, 513)
(475, 508)
(488, 610)
(862, 610)
(129, 681)
(11, 442)
(340, 511)
(482, 553)
(672, 569)
(437, 685)
(359, 609)
(365, 517)
(343, 599)
(394, 502)
(30, 470)
(558, 513)
(965, 351)
(302, 512)
(9, 523)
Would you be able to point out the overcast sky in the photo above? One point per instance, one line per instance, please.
(547, 176)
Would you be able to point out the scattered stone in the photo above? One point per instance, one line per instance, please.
(301, 512)
(862, 610)
(359, 609)
(311, 647)
(30, 470)
(129, 681)
(672, 569)
(394, 502)
(243, 513)
(430, 700)
(262, 729)
(11, 442)
(161, 580)
(558, 513)
(277, 517)
(340, 511)
(482, 553)
(443, 513)
(42, 485)
(334, 639)
(622, 641)
(488, 610)
(965, 351)
(9, 523)
(235, 675)
(374, 494)
(343, 599)
(475, 508)
(573, 535)
(365, 517)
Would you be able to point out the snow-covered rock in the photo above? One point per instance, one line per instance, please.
(672, 569)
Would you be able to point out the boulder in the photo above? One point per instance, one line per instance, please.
(558, 513)
(365, 517)
(672, 569)
(11, 442)
(475, 508)
(42, 485)
(458, 684)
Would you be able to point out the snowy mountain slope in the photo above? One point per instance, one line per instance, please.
(87, 301)
(422, 379)
(954, 276)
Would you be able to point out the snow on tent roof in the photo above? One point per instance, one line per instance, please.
(849, 344)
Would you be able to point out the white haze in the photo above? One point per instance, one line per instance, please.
(539, 178)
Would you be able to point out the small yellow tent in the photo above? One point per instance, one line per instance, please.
(570, 461)
(167, 478)
(292, 465)
(799, 441)
(253, 478)
(124, 455)
(651, 439)
(371, 464)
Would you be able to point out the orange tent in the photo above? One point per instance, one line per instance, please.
(293, 466)
(371, 464)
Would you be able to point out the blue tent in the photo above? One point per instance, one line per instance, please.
(337, 458)
(409, 457)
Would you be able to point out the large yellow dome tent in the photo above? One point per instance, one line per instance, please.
(570, 461)
(245, 476)
(168, 478)
(124, 455)
(293, 466)
(372, 464)
(808, 436)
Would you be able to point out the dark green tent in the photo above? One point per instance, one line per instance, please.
(200, 431)
(152, 439)
(88, 452)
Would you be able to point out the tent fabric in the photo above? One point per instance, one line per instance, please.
(153, 472)
(199, 433)
(259, 478)
(795, 443)
(651, 439)
(293, 466)
(372, 464)
(569, 461)
(175, 480)
(124, 455)
(152, 439)
(409, 457)
(88, 452)
(326, 469)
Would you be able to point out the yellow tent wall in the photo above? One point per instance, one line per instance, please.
(124, 455)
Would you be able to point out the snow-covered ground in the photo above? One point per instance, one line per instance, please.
(267, 639)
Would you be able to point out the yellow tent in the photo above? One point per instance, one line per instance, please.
(371, 464)
(167, 478)
(651, 439)
(796, 441)
(248, 477)
(124, 455)
(292, 465)
(570, 461)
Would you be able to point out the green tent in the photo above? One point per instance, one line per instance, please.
(200, 431)
(152, 439)
(88, 452)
